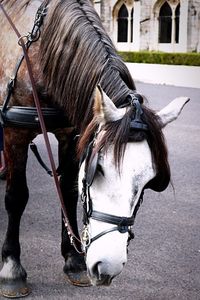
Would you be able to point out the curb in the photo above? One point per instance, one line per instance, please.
(183, 76)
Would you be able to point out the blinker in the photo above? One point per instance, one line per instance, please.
(136, 122)
(91, 164)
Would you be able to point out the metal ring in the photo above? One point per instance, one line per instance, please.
(21, 41)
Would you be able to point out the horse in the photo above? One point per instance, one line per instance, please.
(110, 143)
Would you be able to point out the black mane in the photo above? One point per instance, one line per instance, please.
(77, 54)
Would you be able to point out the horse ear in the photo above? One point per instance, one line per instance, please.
(104, 109)
(172, 110)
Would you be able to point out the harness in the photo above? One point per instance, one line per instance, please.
(24, 43)
(19, 116)
(122, 224)
(23, 116)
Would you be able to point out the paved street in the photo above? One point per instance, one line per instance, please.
(164, 258)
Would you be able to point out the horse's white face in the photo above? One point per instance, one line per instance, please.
(116, 194)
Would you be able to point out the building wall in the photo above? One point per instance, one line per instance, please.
(146, 25)
(194, 25)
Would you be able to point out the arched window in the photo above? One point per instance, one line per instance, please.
(177, 19)
(165, 24)
(123, 24)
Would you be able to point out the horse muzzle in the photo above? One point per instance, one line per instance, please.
(102, 273)
(106, 258)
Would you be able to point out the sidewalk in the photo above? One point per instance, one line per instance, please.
(183, 76)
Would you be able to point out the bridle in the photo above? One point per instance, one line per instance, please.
(121, 224)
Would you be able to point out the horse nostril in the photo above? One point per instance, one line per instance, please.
(100, 270)
(102, 278)
(95, 269)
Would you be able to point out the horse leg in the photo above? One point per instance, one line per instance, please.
(75, 267)
(13, 275)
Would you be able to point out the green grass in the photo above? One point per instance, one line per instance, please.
(151, 57)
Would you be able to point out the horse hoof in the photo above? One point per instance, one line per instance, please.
(78, 279)
(15, 289)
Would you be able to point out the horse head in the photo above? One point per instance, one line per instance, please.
(112, 180)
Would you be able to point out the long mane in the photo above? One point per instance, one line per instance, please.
(77, 54)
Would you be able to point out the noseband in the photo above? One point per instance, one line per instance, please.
(122, 224)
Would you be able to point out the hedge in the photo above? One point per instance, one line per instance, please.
(187, 59)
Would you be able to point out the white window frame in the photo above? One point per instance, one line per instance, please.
(128, 46)
(181, 46)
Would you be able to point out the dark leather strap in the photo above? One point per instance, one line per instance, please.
(27, 117)
(103, 233)
(34, 149)
(111, 219)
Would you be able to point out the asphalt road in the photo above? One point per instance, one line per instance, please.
(164, 258)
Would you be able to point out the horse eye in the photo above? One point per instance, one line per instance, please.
(100, 169)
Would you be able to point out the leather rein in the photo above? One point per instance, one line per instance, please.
(21, 41)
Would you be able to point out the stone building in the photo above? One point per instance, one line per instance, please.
(169, 26)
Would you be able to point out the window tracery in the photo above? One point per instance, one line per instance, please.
(169, 17)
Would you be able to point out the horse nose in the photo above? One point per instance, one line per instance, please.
(104, 272)
(99, 271)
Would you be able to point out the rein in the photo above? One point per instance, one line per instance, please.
(72, 236)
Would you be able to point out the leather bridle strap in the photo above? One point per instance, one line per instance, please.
(115, 228)
(70, 232)
(123, 223)
(111, 219)
(10, 21)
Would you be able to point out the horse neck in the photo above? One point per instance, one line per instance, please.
(114, 86)
(77, 54)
